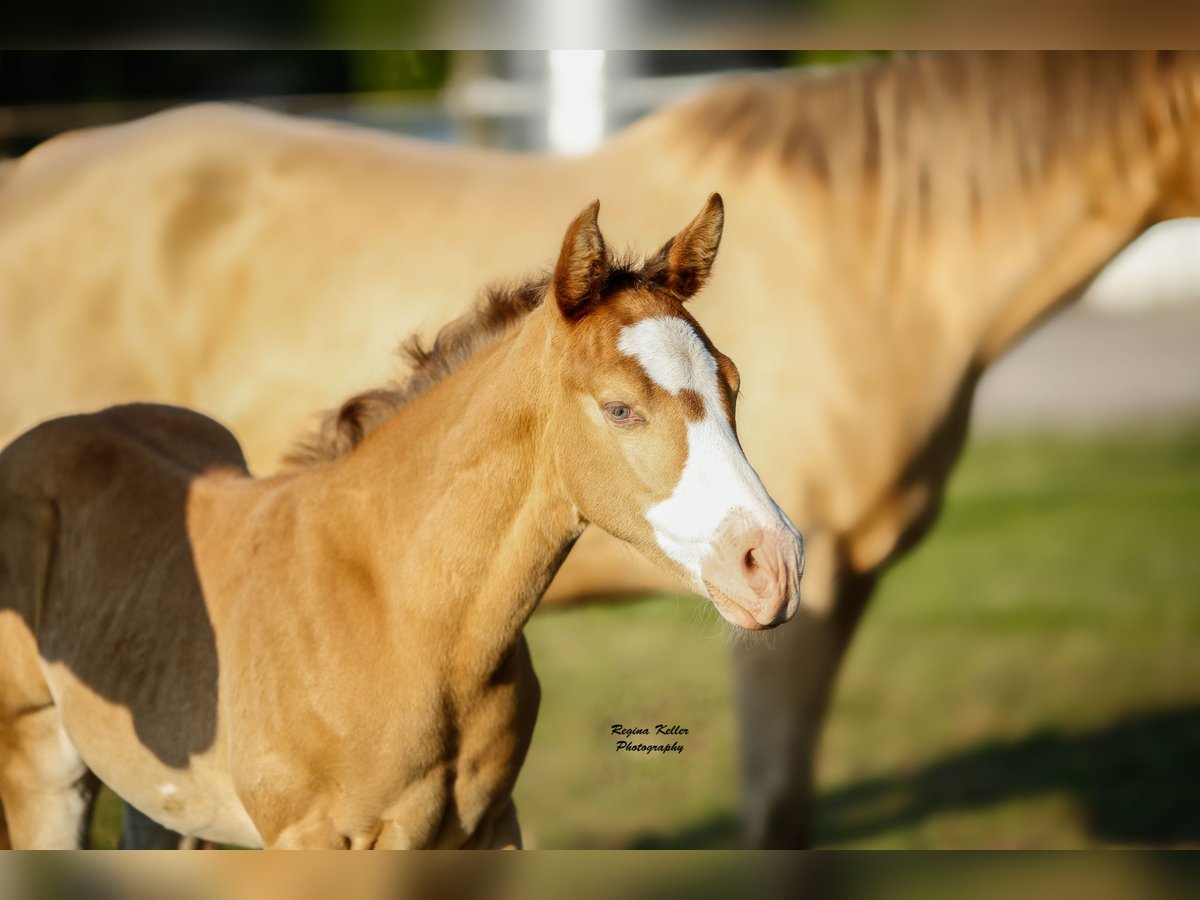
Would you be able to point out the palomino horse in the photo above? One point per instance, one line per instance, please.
(901, 224)
(333, 657)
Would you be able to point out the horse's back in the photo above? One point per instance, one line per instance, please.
(175, 257)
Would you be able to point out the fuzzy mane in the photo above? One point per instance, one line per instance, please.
(501, 307)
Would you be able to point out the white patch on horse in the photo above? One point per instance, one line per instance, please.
(717, 479)
(674, 358)
(167, 789)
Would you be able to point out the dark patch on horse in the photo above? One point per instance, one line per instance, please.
(154, 655)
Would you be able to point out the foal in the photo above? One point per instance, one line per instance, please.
(333, 657)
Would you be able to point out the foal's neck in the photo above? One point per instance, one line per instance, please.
(461, 503)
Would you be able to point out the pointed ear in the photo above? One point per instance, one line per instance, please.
(686, 260)
(582, 265)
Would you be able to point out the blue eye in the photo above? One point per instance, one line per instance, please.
(622, 414)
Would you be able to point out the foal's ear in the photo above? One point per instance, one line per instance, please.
(582, 264)
(685, 261)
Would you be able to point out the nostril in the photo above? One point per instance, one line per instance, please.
(749, 561)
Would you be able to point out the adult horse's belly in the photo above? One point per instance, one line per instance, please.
(198, 799)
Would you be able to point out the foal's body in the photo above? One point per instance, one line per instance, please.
(395, 705)
(333, 657)
(899, 226)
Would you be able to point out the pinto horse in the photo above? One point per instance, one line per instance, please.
(900, 224)
(333, 657)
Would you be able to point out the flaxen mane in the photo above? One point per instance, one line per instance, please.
(945, 129)
(343, 429)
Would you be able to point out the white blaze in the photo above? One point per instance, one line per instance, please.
(717, 479)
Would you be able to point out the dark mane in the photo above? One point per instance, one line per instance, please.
(951, 131)
(500, 307)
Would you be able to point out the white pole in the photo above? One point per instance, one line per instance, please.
(575, 116)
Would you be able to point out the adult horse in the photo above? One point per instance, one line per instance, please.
(899, 225)
(333, 657)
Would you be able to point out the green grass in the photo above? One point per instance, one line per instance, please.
(1029, 677)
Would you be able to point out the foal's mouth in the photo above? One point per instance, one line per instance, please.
(732, 610)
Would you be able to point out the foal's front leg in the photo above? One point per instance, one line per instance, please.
(506, 830)
(329, 822)
(310, 835)
(500, 831)
(301, 818)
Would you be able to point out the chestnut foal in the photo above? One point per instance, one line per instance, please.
(333, 657)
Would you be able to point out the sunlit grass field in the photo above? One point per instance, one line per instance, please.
(1029, 677)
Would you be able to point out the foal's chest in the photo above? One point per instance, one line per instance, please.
(407, 764)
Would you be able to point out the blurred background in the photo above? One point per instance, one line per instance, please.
(1028, 677)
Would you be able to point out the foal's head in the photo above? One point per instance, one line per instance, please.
(644, 424)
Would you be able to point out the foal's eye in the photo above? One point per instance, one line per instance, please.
(621, 414)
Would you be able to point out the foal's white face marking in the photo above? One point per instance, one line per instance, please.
(717, 479)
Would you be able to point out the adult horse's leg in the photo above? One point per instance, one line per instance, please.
(140, 832)
(783, 689)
